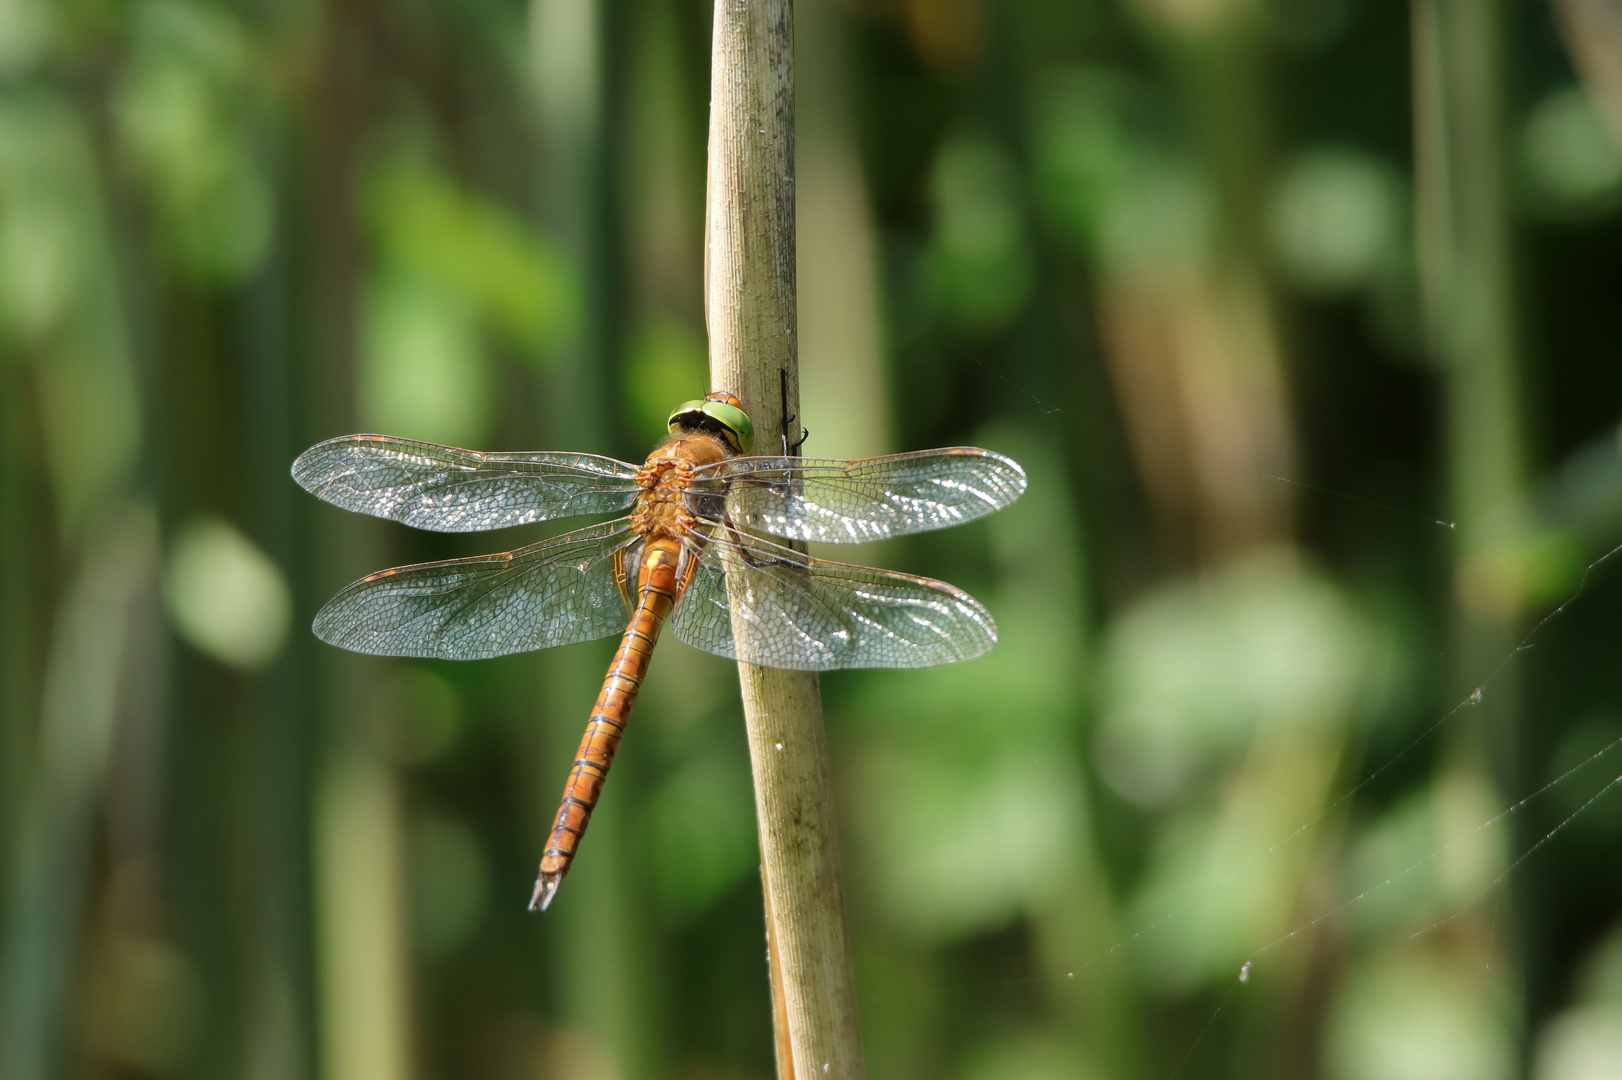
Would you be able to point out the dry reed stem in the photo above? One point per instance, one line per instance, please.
(750, 306)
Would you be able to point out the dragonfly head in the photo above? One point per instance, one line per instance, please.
(720, 414)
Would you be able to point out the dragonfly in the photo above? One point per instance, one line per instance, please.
(706, 542)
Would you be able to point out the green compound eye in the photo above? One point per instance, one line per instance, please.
(719, 413)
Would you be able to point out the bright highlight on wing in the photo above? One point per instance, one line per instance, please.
(856, 502)
(809, 615)
(443, 489)
(557, 592)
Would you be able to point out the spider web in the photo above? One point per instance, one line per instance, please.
(1252, 965)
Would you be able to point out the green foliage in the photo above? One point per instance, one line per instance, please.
(471, 248)
(666, 363)
(1168, 255)
(186, 121)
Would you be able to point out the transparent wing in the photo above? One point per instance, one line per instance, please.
(810, 615)
(556, 592)
(854, 502)
(444, 489)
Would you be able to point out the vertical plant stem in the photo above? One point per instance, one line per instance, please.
(1467, 293)
(750, 307)
(280, 1022)
(839, 329)
(1464, 254)
(357, 827)
(79, 709)
(1465, 247)
(18, 571)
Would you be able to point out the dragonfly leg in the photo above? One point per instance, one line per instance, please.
(788, 421)
(739, 544)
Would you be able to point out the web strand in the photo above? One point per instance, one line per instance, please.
(1360, 499)
(1474, 698)
(1509, 811)
(1247, 966)
(1527, 854)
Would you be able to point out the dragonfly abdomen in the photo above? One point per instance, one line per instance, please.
(656, 596)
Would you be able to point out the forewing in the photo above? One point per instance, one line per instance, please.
(449, 490)
(809, 615)
(557, 592)
(854, 502)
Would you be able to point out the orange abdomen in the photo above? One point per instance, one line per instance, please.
(657, 591)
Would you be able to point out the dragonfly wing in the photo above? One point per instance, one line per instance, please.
(449, 490)
(557, 592)
(809, 615)
(854, 502)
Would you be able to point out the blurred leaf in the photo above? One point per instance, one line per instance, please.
(25, 33)
(226, 597)
(1198, 18)
(1110, 178)
(666, 363)
(1406, 1016)
(700, 824)
(1590, 749)
(1585, 493)
(1086, 152)
(1195, 669)
(1473, 834)
(1571, 165)
(57, 297)
(1426, 859)
(1224, 878)
(1584, 1042)
(493, 262)
(48, 241)
(185, 122)
(1338, 219)
(1026, 1057)
(1581, 1043)
(424, 374)
(1159, 225)
(1391, 867)
(964, 843)
(981, 261)
(1520, 563)
(1601, 977)
(1593, 35)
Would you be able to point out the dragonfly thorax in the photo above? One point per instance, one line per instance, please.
(661, 508)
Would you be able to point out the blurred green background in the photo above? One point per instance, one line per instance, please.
(1303, 316)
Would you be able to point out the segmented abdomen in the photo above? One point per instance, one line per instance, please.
(656, 595)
